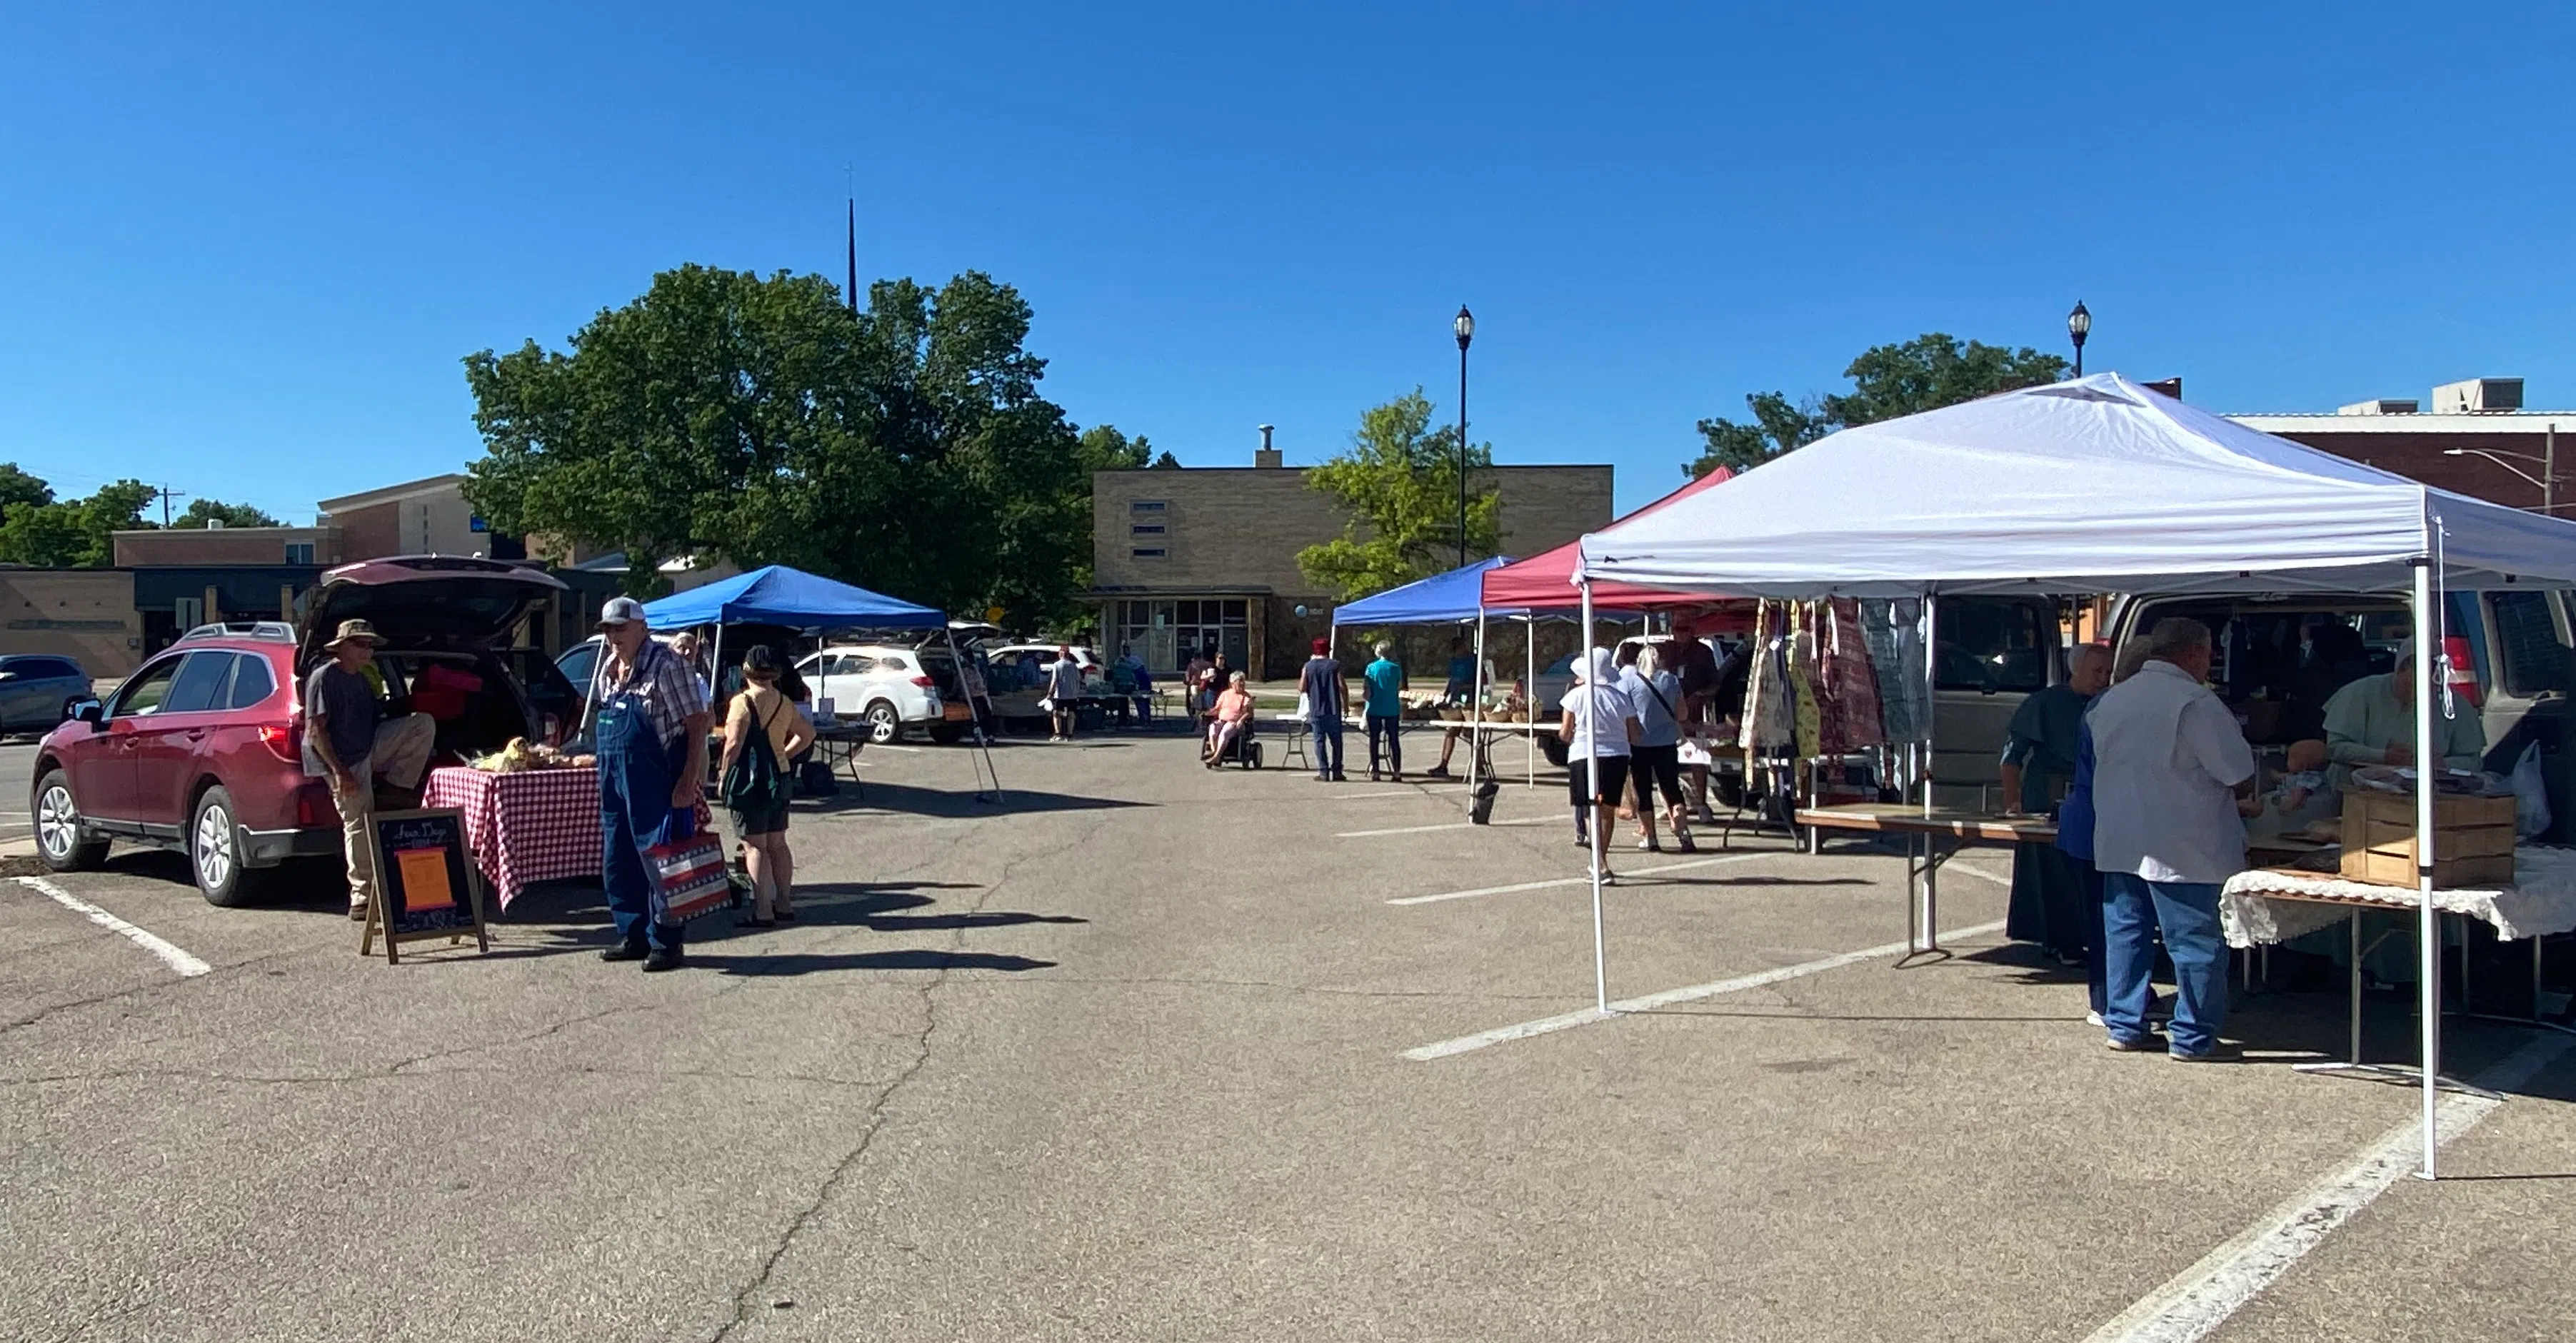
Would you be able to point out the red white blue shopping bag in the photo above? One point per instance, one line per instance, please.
(688, 871)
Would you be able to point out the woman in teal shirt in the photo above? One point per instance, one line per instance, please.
(1385, 710)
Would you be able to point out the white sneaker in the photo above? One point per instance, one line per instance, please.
(2092, 1018)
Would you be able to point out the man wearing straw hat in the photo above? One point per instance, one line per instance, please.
(346, 743)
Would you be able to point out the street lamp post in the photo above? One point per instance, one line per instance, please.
(2547, 480)
(1465, 326)
(2079, 324)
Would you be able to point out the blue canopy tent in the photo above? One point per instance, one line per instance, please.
(778, 595)
(1456, 595)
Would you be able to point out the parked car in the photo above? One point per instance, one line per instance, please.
(1018, 677)
(201, 750)
(38, 691)
(894, 689)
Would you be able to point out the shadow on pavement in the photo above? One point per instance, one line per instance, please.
(873, 905)
(955, 803)
(913, 959)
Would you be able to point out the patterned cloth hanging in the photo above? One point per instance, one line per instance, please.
(1770, 722)
(1854, 718)
(1804, 704)
(1893, 631)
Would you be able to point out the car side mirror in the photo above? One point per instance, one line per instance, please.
(90, 711)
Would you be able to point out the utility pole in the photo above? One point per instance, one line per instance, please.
(850, 179)
(167, 494)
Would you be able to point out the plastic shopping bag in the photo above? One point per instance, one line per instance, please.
(2530, 794)
(688, 871)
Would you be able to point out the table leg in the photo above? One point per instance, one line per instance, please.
(2353, 1066)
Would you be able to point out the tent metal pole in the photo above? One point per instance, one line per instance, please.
(1592, 819)
(1476, 712)
(1931, 903)
(715, 679)
(1529, 694)
(983, 744)
(2428, 926)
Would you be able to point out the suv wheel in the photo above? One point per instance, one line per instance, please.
(60, 841)
(884, 724)
(214, 852)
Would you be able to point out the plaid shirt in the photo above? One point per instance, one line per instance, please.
(668, 684)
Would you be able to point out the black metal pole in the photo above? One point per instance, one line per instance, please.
(1462, 454)
(2079, 359)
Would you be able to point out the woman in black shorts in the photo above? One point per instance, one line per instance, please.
(1657, 760)
(1600, 721)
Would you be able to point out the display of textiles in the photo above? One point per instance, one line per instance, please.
(1893, 631)
(1854, 720)
(1769, 720)
(1806, 713)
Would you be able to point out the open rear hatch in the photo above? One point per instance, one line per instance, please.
(423, 603)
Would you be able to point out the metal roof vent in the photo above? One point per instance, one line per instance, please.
(2478, 396)
(2386, 405)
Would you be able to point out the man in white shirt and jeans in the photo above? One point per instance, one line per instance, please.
(2169, 769)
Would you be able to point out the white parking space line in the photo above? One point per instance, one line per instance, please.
(2202, 1297)
(1553, 882)
(186, 965)
(1445, 825)
(1549, 1025)
(890, 746)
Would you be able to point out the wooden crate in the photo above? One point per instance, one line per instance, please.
(2472, 839)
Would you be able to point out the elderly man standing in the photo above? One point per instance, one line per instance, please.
(2372, 722)
(2048, 892)
(649, 718)
(2170, 769)
(345, 743)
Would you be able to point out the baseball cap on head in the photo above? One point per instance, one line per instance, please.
(620, 611)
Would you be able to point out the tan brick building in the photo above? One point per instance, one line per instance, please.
(1190, 556)
(193, 546)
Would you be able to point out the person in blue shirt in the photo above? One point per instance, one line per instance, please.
(1656, 694)
(1385, 710)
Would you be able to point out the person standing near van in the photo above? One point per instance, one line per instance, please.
(1327, 695)
(1385, 710)
(1064, 691)
(344, 743)
(649, 718)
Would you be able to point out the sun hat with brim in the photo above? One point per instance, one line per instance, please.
(620, 611)
(354, 631)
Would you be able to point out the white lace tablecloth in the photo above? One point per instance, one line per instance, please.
(2272, 905)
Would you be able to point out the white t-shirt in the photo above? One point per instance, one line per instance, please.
(1600, 712)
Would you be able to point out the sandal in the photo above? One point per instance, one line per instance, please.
(787, 916)
(755, 923)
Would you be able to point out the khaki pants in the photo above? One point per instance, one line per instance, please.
(399, 756)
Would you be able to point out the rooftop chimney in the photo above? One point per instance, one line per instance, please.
(1266, 457)
(2478, 396)
(2387, 405)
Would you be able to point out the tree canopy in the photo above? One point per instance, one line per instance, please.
(1925, 373)
(38, 529)
(1399, 482)
(729, 415)
(203, 511)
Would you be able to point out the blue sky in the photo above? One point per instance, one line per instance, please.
(243, 254)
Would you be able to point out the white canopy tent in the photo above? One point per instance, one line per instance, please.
(2091, 486)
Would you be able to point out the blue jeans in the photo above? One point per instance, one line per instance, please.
(2132, 909)
(2096, 958)
(1385, 726)
(1328, 746)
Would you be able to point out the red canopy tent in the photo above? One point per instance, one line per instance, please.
(1547, 580)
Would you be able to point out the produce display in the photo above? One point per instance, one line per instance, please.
(519, 755)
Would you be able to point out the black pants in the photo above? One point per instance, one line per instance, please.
(1657, 768)
(1381, 725)
(1578, 781)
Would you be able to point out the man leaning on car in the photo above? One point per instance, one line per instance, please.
(345, 743)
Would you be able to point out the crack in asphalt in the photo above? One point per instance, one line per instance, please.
(47, 1013)
(743, 1307)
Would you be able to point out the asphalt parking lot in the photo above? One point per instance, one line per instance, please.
(1153, 1052)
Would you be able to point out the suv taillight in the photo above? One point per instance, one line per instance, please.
(281, 743)
(313, 806)
(2464, 673)
(925, 683)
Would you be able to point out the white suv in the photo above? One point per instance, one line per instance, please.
(889, 686)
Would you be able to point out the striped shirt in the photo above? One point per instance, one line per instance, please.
(667, 683)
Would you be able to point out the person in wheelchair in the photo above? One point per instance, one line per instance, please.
(1229, 722)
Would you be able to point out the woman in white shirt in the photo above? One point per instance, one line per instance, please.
(1599, 721)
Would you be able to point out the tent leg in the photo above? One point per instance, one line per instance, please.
(983, 750)
(1931, 717)
(1529, 695)
(1593, 820)
(2429, 939)
(715, 679)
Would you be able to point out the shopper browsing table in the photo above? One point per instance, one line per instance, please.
(762, 720)
(1600, 722)
(1327, 697)
(1064, 692)
(1384, 691)
(649, 717)
(2169, 770)
(2038, 763)
(1656, 694)
(1460, 689)
(344, 743)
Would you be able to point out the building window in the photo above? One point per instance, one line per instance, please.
(1147, 552)
(299, 552)
(1149, 506)
(1168, 633)
(1147, 529)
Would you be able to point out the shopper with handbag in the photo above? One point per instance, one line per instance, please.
(762, 733)
(649, 717)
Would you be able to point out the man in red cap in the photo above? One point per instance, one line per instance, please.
(1326, 694)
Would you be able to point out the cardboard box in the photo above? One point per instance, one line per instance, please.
(2472, 839)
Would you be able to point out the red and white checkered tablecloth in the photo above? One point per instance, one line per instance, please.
(525, 827)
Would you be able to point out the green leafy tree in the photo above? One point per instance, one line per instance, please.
(1398, 480)
(203, 511)
(1167, 462)
(1106, 449)
(1925, 373)
(17, 487)
(730, 415)
(75, 533)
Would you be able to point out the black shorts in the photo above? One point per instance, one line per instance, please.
(1658, 767)
(1578, 779)
(764, 820)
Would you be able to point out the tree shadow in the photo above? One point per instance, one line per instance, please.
(872, 905)
(793, 964)
(954, 804)
(1758, 881)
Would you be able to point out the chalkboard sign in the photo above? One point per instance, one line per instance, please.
(426, 882)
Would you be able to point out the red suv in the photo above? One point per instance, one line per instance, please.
(202, 748)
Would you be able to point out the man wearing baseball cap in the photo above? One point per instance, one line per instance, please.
(649, 716)
(345, 742)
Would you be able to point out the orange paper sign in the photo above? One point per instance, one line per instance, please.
(424, 880)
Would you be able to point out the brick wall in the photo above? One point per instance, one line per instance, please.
(369, 533)
(194, 547)
(87, 615)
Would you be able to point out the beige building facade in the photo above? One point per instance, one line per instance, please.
(1189, 557)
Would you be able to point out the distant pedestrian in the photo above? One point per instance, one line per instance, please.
(1459, 691)
(2170, 781)
(762, 733)
(686, 645)
(1140, 683)
(1598, 728)
(649, 716)
(1385, 711)
(1327, 696)
(1227, 721)
(1194, 682)
(1655, 694)
(1064, 691)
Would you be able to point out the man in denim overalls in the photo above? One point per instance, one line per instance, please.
(650, 717)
